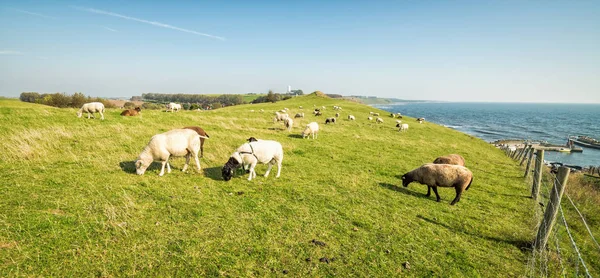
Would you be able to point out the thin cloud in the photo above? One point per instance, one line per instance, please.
(10, 52)
(96, 11)
(109, 29)
(34, 14)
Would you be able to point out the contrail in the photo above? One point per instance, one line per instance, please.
(109, 29)
(32, 13)
(10, 52)
(147, 22)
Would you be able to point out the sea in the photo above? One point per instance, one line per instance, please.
(533, 121)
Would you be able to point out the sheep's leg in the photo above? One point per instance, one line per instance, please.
(197, 162)
(428, 191)
(252, 172)
(101, 116)
(269, 168)
(436, 193)
(187, 161)
(458, 193)
(168, 167)
(162, 169)
(278, 168)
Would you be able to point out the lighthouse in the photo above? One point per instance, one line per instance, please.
(289, 89)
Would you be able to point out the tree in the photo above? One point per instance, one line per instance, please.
(271, 97)
(129, 105)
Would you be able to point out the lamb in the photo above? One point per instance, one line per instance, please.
(299, 115)
(177, 142)
(280, 117)
(351, 118)
(402, 127)
(454, 159)
(330, 120)
(173, 106)
(288, 123)
(203, 135)
(312, 128)
(379, 120)
(91, 108)
(131, 112)
(252, 153)
(443, 175)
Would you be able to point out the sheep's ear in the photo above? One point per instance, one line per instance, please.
(403, 177)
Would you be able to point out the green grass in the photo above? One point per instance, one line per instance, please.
(71, 204)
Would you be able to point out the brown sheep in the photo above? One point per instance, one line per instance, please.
(454, 159)
(131, 112)
(202, 133)
(443, 175)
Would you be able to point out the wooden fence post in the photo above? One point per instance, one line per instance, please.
(525, 154)
(529, 162)
(537, 175)
(552, 208)
(523, 151)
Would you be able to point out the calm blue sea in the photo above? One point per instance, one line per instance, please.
(535, 121)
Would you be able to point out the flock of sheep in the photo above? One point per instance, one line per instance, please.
(445, 171)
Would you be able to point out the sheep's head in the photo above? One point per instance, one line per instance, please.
(406, 179)
(79, 113)
(251, 139)
(229, 167)
(140, 167)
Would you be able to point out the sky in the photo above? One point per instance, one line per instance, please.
(475, 51)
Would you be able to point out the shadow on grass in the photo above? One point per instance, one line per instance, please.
(129, 166)
(523, 245)
(275, 128)
(295, 136)
(503, 194)
(402, 190)
(213, 173)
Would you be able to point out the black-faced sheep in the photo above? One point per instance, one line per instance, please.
(260, 151)
(299, 115)
(288, 123)
(91, 108)
(420, 120)
(351, 118)
(443, 175)
(337, 115)
(330, 120)
(402, 127)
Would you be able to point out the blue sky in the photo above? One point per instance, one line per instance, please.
(516, 51)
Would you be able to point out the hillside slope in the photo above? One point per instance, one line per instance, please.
(72, 205)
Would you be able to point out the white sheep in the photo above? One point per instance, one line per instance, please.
(177, 142)
(370, 118)
(376, 114)
(260, 151)
(311, 128)
(398, 121)
(351, 118)
(443, 175)
(173, 107)
(91, 108)
(379, 120)
(288, 123)
(280, 116)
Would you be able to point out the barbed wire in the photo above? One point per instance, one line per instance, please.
(587, 272)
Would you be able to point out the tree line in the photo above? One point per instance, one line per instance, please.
(62, 100)
(196, 100)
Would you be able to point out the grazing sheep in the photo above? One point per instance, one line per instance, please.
(337, 115)
(370, 118)
(454, 159)
(443, 175)
(280, 117)
(371, 113)
(420, 120)
(131, 112)
(402, 127)
(398, 121)
(351, 118)
(252, 153)
(330, 120)
(177, 142)
(312, 128)
(203, 135)
(318, 113)
(392, 115)
(299, 115)
(288, 123)
(376, 114)
(173, 107)
(379, 120)
(91, 108)
(300, 107)
(251, 139)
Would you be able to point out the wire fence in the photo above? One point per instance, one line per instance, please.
(563, 255)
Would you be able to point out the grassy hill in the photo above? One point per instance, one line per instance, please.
(71, 204)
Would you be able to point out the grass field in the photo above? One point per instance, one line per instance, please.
(71, 204)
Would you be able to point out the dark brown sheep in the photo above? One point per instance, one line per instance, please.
(131, 112)
(200, 132)
(443, 175)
